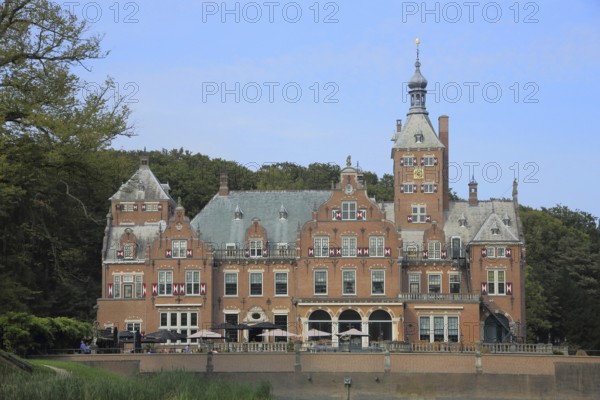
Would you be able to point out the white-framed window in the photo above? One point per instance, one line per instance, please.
(138, 286)
(185, 322)
(281, 320)
(231, 284)
(348, 210)
(282, 250)
(165, 283)
(428, 188)
(414, 283)
(438, 328)
(454, 279)
(501, 252)
(179, 248)
(408, 161)
(256, 283)
(378, 281)
(349, 281)
(348, 246)
(192, 282)
(496, 282)
(435, 283)
(456, 247)
(321, 246)
(128, 251)
(231, 250)
(281, 283)
(419, 212)
(320, 281)
(133, 325)
(428, 161)
(151, 207)
(409, 188)
(127, 286)
(117, 286)
(127, 207)
(256, 248)
(434, 250)
(490, 252)
(376, 246)
(411, 251)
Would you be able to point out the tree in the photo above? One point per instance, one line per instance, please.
(383, 190)
(563, 279)
(51, 179)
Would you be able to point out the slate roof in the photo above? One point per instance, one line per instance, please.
(145, 235)
(417, 123)
(479, 221)
(216, 222)
(143, 185)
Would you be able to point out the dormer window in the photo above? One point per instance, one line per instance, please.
(128, 251)
(238, 213)
(462, 221)
(506, 220)
(283, 214)
(419, 137)
(495, 229)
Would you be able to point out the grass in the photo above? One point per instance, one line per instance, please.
(88, 383)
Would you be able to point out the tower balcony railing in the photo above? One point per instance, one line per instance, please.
(440, 297)
(275, 253)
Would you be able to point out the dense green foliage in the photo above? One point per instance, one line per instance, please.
(52, 189)
(83, 382)
(563, 276)
(24, 333)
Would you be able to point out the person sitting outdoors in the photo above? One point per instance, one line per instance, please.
(84, 348)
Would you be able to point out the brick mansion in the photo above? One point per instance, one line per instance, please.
(422, 268)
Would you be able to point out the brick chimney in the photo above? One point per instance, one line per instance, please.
(473, 201)
(398, 125)
(443, 132)
(223, 188)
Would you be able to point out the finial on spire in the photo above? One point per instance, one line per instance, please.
(417, 42)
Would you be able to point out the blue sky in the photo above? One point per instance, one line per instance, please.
(314, 81)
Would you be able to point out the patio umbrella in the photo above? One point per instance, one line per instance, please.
(264, 325)
(352, 332)
(125, 335)
(163, 335)
(316, 333)
(205, 334)
(279, 333)
(229, 325)
(225, 325)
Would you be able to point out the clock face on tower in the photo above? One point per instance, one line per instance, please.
(348, 189)
(418, 173)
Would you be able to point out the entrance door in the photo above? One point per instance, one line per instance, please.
(495, 331)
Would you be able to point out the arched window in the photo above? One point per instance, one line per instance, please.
(349, 319)
(380, 326)
(320, 320)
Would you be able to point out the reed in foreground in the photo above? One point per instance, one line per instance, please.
(82, 382)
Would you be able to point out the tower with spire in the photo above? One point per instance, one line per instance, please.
(420, 162)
